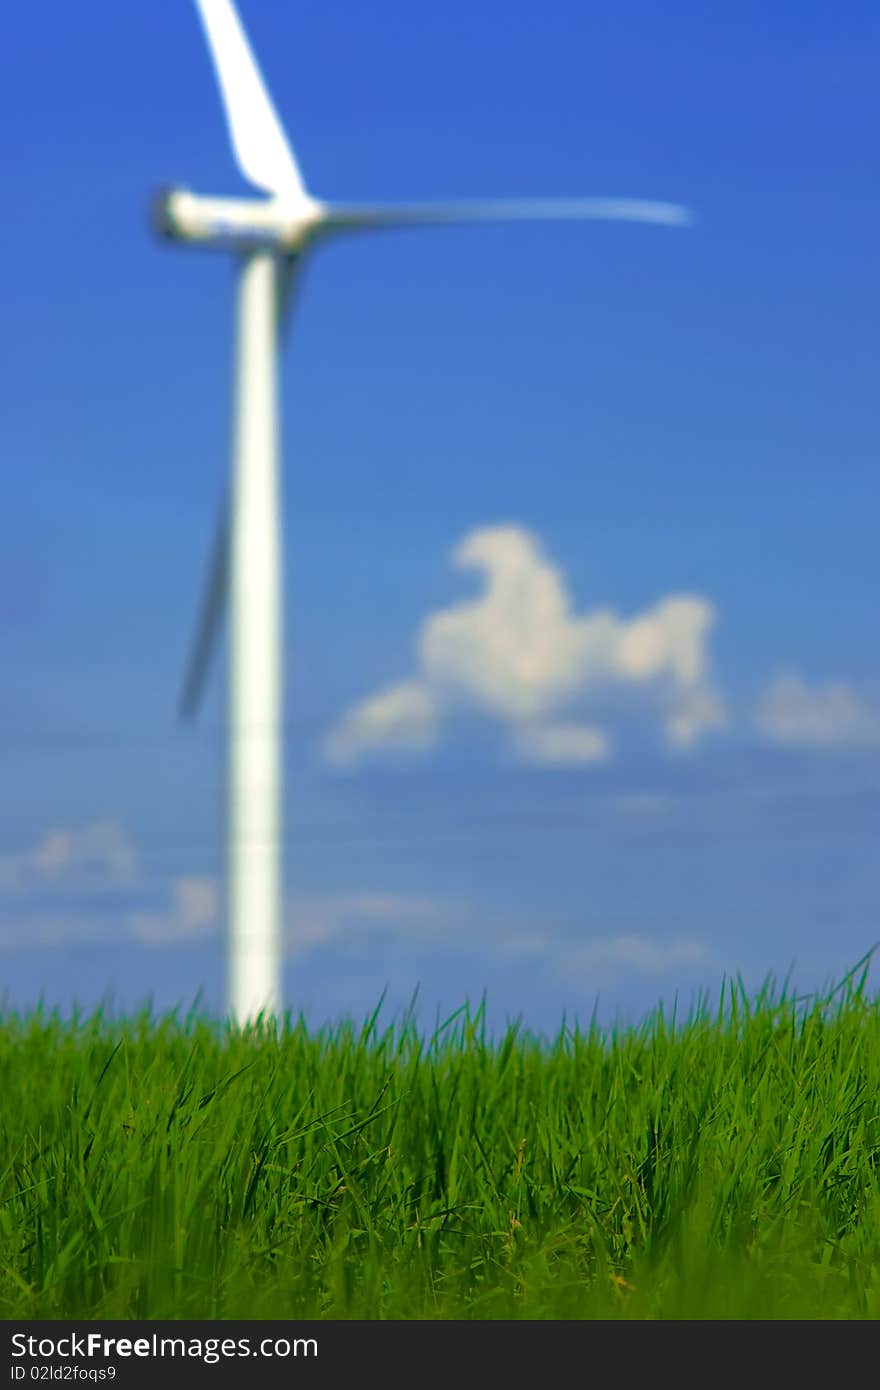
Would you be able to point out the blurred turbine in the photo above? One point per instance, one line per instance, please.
(270, 235)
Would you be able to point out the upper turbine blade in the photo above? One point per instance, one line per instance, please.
(511, 210)
(258, 140)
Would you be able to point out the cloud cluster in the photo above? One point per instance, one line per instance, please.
(644, 955)
(191, 913)
(414, 923)
(829, 716)
(403, 716)
(521, 654)
(565, 744)
(320, 920)
(420, 923)
(98, 859)
(99, 852)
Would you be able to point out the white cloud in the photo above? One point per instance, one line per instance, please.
(191, 913)
(427, 923)
(692, 713)
(562, 744)
(188, 911)
(99, 852)
(669, 637)
(817, 716)
(317, 921)
(516, 650)
(630, 950)
(402, 717)
(641, 805)
(520, 653)
(96, 858)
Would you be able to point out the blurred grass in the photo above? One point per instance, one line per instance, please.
(725, 1166)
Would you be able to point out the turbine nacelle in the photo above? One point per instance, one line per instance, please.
(238, 224)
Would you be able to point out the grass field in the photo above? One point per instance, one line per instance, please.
(725, 1166)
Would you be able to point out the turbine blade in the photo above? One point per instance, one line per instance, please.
(509, 210)
(258, 140)
(214, 600)
(287, 280)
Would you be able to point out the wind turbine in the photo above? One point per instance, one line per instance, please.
(270, 235)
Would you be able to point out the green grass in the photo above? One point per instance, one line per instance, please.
(725, 1166)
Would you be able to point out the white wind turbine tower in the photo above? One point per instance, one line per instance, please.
(270, 235)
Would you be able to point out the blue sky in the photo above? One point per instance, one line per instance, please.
(584, 514)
